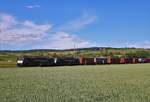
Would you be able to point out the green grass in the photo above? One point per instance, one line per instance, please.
(103, 83)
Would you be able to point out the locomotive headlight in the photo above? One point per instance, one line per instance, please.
(20, 61)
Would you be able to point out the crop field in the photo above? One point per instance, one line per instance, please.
(99, 83)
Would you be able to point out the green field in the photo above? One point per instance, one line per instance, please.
(103, 83)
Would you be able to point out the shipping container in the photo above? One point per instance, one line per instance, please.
(141, 60)
(71, 61)
(128, 60)
(59, 61)
(147, 60)
(86, 61)
(115, 60)
(131, 60)
(100, 60)
(89, 61)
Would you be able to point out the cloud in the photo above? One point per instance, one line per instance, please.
(14, 32)
(6, 21)
(64, 40)
(27, 33)
(39, 28)
(32, 6)
(84, 20)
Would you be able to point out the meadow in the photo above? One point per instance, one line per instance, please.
(99, 83)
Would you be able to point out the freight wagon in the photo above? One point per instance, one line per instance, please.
(115, 60)
(131, 60)
(71, 61)
(147, 60)
(87, 61)
(141, 60)
(128, 60)
(59, 62)
(100, 60)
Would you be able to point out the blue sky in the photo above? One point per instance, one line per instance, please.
(61, 24)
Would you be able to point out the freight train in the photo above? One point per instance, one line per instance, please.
(46, 61)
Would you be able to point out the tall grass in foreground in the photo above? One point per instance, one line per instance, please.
(106, 83)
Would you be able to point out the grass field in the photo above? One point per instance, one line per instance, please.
(103, 83)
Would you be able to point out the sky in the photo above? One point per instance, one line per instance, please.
(64, 24)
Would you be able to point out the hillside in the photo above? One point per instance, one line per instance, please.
(12, 55)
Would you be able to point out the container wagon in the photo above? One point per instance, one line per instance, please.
(115, 60)
(71, 61)
(89, 61)
(59, 61)
(86, 61)
(131, 60)
(128, 60)
(147, 60)
(141, 60)
(100, 60)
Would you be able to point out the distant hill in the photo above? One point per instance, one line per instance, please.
(12, 55)
(58, 50)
